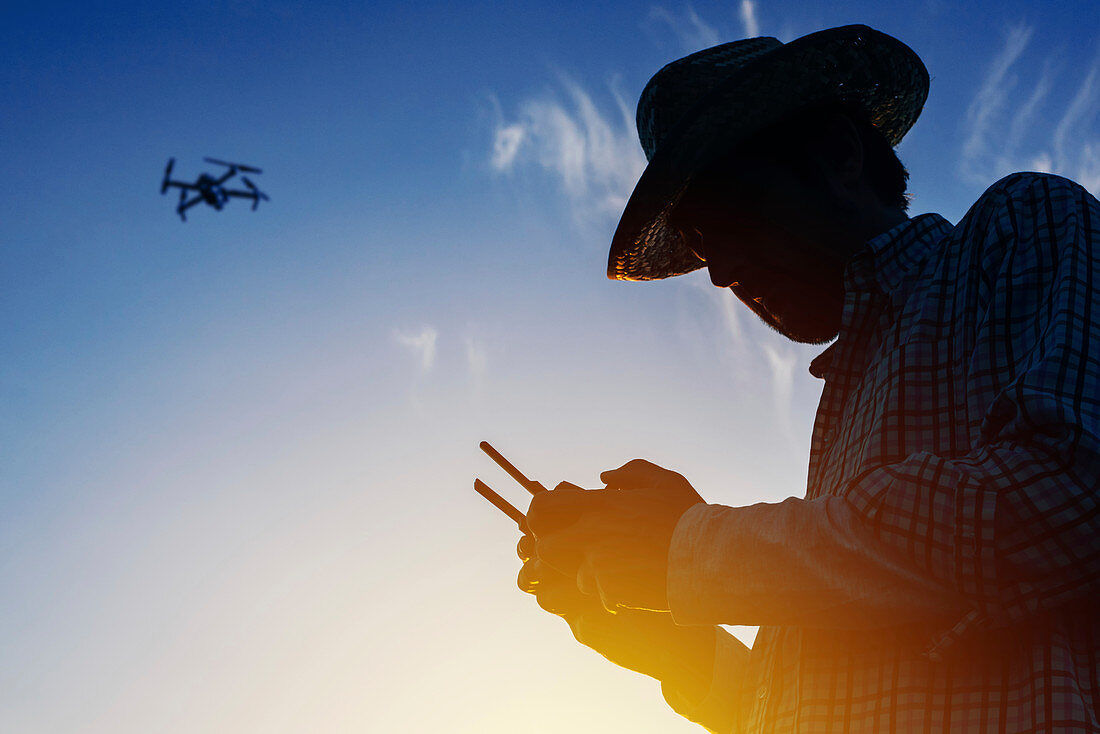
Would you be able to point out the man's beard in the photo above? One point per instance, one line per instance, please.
(802, 325)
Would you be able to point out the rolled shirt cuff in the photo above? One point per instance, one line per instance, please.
(690, 557)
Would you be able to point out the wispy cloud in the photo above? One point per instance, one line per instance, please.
(506, 142)
(476, 358)
(781, 360)
(748, 19)
(587, 140)
(593, 154)
(1075, 137)
(751, 353)
(421, 344)
(990, 101)
(779, 356)
(1001, 137)
(691, 31)
(731, 311)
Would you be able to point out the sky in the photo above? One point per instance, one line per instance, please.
(237, 452)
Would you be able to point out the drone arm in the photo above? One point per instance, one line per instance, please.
(185, 205)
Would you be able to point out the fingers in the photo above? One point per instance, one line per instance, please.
(564, 551)
(529, 577)
(587, 583)
(553, 511)
(563, 593)
(602, 579)
(554, 592)
(525, 548)
(639, 474)
(608, 547)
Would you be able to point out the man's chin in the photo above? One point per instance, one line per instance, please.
(815, 332)
(818, 337)
(805, 326)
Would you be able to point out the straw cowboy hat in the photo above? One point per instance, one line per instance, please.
(700, 106)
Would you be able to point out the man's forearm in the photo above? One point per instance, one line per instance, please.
(799, 562)
(707, 691)
(691, 671)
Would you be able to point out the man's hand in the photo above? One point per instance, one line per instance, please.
(614, 541)
(646, 642)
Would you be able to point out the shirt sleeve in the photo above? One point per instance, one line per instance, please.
(806, 563)
(1014, 525)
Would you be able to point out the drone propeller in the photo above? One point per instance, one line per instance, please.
(167, 175)
(238, 166)
(258, 194)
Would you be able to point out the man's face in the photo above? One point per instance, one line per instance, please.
(777, 241)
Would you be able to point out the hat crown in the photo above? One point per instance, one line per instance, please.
(697, 108)
(680, 85)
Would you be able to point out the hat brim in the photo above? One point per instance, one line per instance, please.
(854, 63)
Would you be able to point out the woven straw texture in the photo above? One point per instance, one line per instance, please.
(699, 107)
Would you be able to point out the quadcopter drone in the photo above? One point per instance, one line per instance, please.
(210, 189)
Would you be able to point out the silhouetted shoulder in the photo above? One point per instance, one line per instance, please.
(1027, 221)
(1025, 184)
(1022, 200)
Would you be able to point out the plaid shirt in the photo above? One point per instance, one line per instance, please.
(959, 433)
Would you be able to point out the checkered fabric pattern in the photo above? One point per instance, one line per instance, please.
(961, 419)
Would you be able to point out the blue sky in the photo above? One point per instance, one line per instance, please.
(238, 450)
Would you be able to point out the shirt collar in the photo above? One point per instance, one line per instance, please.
(819, 365)
(880, 266)
(884, 260)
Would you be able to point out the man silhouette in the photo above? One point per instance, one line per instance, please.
(939, 574)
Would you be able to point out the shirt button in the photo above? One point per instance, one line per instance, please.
(762, 692)
(828, 436)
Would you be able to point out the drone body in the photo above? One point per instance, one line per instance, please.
(212, 190)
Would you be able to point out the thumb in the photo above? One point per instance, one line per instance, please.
(635, 474)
